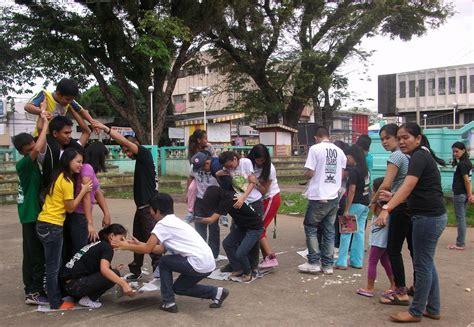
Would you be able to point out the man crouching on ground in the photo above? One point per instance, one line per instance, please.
(190, 256)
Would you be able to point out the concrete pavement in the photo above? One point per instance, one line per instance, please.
(282, 298)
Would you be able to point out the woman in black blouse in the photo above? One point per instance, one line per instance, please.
(422, 186)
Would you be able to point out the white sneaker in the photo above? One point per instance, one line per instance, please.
(309, 268)
(220, 257)
(87, 302)
(151, 286)
(328, 271)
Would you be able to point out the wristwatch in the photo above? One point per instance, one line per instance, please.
(386, 207)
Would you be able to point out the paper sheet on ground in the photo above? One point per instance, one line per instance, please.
(218, 275)
(46, 308)
(303, 253)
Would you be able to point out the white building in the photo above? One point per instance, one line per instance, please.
(438, 95)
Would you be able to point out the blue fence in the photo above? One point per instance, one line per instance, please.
(440, 139)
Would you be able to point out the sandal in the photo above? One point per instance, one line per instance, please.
(455, 247)
(393, 299)
(364, 292)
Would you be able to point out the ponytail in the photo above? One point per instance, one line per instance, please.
(415, 130)
(116, 229)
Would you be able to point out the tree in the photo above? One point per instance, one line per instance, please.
(133, 43)
(290, 51)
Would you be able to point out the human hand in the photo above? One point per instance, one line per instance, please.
(127, 290)
(382, 218)
(106, 221)
(119, 245)
(385, 196)
(222, 172)
(133, 241)
(92, 233)
(240, 202)
(87, 187)
(346, 213)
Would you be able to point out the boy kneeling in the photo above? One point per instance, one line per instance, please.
(190, 256)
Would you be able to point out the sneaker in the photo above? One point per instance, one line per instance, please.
(268, 263)
(220, 257)
(309, 268)
(130, 277)
(87, 302)
(169, 307)
(218, 302)
(328, 271)
(66, 305)
(36, 299)
(151, 286)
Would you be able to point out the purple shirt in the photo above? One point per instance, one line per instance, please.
(86, 171)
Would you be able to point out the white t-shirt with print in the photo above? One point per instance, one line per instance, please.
(245, 169)
(327, 161)
(180, 238)
(274, 189)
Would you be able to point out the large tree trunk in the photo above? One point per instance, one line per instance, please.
(292, 113)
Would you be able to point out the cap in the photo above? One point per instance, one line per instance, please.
(198, 161)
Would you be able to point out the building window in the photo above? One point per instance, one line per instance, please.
(471, 83)
(441, 86)
(411, 89)
(403, 90)
(452, 85)
(431, 87)
(179, 98)
(462, 84)
(421, 87)
(195, 96)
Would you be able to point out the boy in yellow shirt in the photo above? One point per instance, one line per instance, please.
(57, 103)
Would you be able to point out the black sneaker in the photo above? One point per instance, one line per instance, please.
(36, 299)
(172, 309)
(133, 277)
(218, 303)
(227, 268)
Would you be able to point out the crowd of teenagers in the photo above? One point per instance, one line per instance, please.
(58, 187)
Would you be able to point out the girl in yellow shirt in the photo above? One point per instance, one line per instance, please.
(59, 199)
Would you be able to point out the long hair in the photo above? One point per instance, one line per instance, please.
(68, 155)
(358, 154)
(116, 229)
(261, 151)
(465, 156)
(95, 154)
(415, 130)
(193, 142)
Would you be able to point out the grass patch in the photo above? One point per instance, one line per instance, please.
(129, 194)
(294, 203)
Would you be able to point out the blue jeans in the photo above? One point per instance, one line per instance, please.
(240, 246)
(320, 214)
(426, 232)
(214, 230)
(51, 236)
(357, 247)
(460, 204)
(76, 235)
(186, 283)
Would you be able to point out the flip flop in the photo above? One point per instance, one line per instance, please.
(392, 299)
(455, 247)
(365, 293)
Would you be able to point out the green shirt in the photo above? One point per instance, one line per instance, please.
(28, 189)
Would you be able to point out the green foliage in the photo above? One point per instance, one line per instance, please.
(286, 54)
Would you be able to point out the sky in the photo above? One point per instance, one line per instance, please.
(450, 44)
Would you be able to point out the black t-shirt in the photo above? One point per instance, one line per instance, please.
(51, 158)
(87, 260)
(426, 199)
(217, 200)
(462, 168)
(144, 180)
(362, 183)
